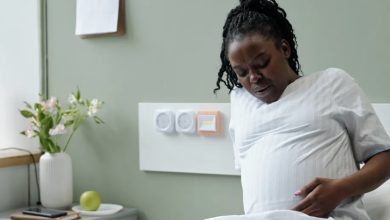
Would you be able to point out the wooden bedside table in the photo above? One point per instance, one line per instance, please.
(124, 214)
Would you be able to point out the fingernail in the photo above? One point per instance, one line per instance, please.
(297, 193)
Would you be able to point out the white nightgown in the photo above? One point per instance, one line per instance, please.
(322, 126)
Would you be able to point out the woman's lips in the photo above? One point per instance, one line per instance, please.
(262, 92)
(263, 89)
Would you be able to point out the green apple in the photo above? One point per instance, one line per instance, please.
(90, 200)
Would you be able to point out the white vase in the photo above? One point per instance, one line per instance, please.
(56, 182)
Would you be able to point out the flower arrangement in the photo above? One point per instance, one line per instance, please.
(49, 121)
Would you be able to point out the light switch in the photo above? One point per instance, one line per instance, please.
(209, 122)
(185, 121)
(164, 120)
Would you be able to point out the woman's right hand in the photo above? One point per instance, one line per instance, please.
(320, 197)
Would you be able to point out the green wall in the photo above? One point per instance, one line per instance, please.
(170, 53)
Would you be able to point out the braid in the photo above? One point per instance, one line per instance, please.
(255, 16)
(231, 78)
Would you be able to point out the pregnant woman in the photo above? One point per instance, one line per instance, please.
(298, 140)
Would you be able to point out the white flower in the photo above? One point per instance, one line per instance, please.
(59, 129)
(49, 105)
(72, 99)
(66, 118)
(30, 133)
(94, 106)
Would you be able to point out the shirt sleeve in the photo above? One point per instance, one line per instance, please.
(354, 111)
(232, 134)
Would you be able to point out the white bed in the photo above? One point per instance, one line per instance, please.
(377, 202)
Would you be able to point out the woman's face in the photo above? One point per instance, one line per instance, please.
(261, 67)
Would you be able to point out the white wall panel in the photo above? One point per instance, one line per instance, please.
(188, 153)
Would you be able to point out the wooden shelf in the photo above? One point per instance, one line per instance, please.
(10, 158)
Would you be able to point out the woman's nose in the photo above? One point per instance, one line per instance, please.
(255, 76)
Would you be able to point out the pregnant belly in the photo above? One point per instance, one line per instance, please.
(270, 177)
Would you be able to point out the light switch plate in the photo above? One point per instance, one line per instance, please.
(209, 123)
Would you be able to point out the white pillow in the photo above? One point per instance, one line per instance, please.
(377, 202)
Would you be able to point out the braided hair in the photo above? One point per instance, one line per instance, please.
(264, 17)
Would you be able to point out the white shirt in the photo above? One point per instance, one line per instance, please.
(322, 126)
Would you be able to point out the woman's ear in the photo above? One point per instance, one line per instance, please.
(285, 47)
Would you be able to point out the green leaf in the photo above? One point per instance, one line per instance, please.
(58, 149)
(66, 112)
(57, 118)
(46, 121)
(33, 122)
(38, 106)
(46, 124)
(98, 120)
(78, 95)
(26, 113)
(41, 115)
(24, 133)
(67, 123)
(28, 105)
(44, 143)
(54, 148)
(51, 148)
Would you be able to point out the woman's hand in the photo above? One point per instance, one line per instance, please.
(320, 197)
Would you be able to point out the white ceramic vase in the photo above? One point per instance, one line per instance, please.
(56, 181)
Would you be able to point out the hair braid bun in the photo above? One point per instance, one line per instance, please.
(247, 4)
(257, 5)
(268, 7)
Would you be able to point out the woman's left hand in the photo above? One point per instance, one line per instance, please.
(320, 197)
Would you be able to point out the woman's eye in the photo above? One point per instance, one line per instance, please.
(241, 73)
(261, 65)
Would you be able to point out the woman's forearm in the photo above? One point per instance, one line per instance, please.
(373, 174)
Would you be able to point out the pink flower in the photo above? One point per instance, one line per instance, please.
(49, 105)
(59, 129)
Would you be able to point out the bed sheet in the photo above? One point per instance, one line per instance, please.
(271, 215)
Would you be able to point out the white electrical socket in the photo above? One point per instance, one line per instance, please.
(185, 121)
(164, 120)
